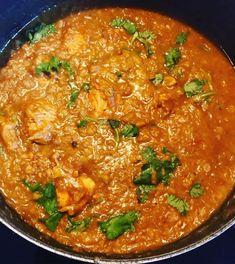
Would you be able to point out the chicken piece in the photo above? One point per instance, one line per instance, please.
(98, 102)
(41, 116)
(10, 135)
(75, 42)
(88, 183)
(74, 194)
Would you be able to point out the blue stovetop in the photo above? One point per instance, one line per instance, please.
(16, 250)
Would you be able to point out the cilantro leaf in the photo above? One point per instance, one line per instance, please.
(204, 97)
(147, 47)
(114, 123)
(181, 205)
(196, 190)
(158, 79)
(130, 130)
(73, 97)
(166, 169)
(54, 64)
(74, 94)
(82, 123)
(48, 201)
(68, 68)
(129, 26)
(181, 38)
(42, 68)
(149, 154)
(118, 225)
(147, 35)
(156, 170)
(40, 32)
(86, 87)
(33, 187)
(172, 57)
(52, 221)
(194, 87)
(143, 191)
(144, 37)
(118, 74)
(165, 150)
(78, 226)
(145, 176)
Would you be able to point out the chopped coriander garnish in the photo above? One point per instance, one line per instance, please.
(181, 38)
(165, 150)
(2, 113)
(181, 205)
(144, 37)
(145, 176)
(82, 123)
(172, 57)
(118, 225)
(33, 187)
(149, 154)
(52, 221)
(68, 68)
(118, 74)
(204, 96)
(74, 94)
(86, 87)
(40, 32)
(129, 26)
(54, 64)
(147, 35)
(143, 191)
(156, 170)
(48, 201)
(158, 79)
(78, 226)
(114, 123)
(73, 97)
(196, 190)
(130, 130)
(194, 87)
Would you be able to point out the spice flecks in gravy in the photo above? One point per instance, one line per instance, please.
(117, 130)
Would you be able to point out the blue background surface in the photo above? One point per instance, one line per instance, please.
(16, 250)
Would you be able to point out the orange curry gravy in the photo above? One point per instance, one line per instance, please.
(93, 171)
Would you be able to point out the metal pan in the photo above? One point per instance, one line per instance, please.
(212, 18)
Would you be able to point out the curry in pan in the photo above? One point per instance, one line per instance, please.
(117, 130)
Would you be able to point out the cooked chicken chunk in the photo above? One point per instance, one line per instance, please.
(74, 42)
(10, 135)
(74, 194)
(98, 102)
(41, 116)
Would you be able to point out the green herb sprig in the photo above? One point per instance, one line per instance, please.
(144, 37)
(118, 225)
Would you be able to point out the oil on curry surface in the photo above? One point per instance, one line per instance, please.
(117, 130)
